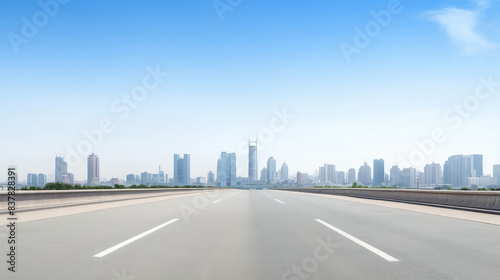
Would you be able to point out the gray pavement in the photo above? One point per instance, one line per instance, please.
(238, 234)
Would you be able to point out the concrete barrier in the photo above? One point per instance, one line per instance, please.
(489, 200)
(34, 200)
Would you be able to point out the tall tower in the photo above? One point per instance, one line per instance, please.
(61, 169)
(271, 170)
(378, 172)
(252, 160)
(182, 172)
(93, 170)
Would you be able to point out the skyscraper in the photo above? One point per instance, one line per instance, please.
(210, 178)
(496, 173)
(182, 173)
(42, 180)
(161, 175)
(408, 177)
(458, 168)
(271, 170)
(61, 169)
(252, 161)
(395, 176)
(284, 172)
(330, 173)
(378, 172)
(432, 174)
(146, 178)
(365, 174)
(93, 170)
(263, 175)
(131, 179)
(226, 170)
(340, 177)
(32, 180)
(351, 176)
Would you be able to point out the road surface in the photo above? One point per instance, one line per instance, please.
(253, 234)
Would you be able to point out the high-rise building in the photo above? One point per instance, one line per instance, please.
(61, 169)
(69, 178)
(226, 170)
(395, 176)
(378, 172)
(340, 177)
(330, 173)
(182, 170)
(432, 174)
(365, 174)
(474, 165)
(93, 170)
(146, 178)
(131, 179)
(210, 178)
(351, 176)
(284, 172)
(252, 161)
(137, 179)
(41, 180)
(408, 177)
(496, 173)
(263, 175)
(271, 170)
(458, 168)
(299, 178)
(161, 175)
(32, 180)
(322, 174)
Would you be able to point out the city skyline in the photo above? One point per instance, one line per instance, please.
(287, 83)
(457, 170)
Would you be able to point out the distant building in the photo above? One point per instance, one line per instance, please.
(378, 172)
(114, 181)
(365, 175)
(70, 178)
(271, 170)
(409, 177)
(32, 180)
(496, 173)
(131, 179)
(201, 181)
(93, 170)
(61, 169)
(432, 174)
(210, 178)
(161, 175)
(146, 178)
(340, 178)
(252, 161)
(182, 172)
(137, 179)
(263, 175)
(486, 181)
(395, 176)
(284, 172)
(41, 180)
(459, 167)
(226, 170)
(351, 176)
(299, 178)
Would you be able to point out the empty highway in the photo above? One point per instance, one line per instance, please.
(256, 234)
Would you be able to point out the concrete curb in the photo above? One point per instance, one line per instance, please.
(37, 200)
(471, 199)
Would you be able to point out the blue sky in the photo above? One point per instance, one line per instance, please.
(228, 76)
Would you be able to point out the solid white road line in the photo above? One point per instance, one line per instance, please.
(217, 200)
(352, 238)
(124, 243)
(279, 201)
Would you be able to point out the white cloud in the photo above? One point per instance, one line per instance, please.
(461, 26)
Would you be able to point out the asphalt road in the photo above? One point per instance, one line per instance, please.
(237, 234)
